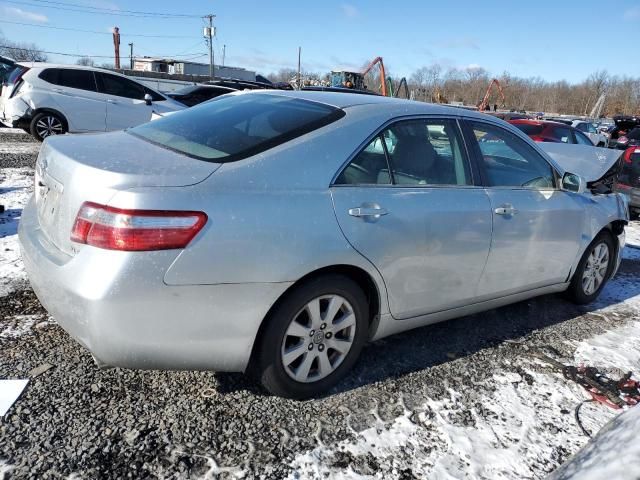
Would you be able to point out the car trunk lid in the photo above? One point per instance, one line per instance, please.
(74, 169)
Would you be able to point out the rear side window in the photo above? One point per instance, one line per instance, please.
(419, 152)
(15, 74)
(233, 127)
(529, 129)
(72, 78)
(562, 134)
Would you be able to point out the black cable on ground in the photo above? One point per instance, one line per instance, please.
(577, 415)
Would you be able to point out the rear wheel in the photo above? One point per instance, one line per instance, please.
(313, 337)
(45, 124)
(593, 271)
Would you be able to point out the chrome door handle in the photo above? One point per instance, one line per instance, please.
(58, 90)
(111, 101)
(505, 210)
(367, 212)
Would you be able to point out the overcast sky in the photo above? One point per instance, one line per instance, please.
(550, 39)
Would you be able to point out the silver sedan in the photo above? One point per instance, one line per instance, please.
(277, 232)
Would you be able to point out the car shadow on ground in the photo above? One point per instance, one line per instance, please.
(9, 221)
(432, 345)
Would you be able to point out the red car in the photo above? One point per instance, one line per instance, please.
(548, 131)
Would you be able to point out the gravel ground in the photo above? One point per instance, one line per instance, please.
(76, 420)
(17, 149)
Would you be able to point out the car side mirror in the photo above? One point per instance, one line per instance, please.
(147, 99)
(573, 183)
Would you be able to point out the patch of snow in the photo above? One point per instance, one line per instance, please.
(19, 148)
(618, 348)
(15, 189)
(10, 390)
(19, 325)
(632, 234)
(5, 468)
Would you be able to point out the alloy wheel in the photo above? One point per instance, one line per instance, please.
(595, 269)
(318, 338)
(49, 125)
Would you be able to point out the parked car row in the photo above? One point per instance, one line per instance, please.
(48, 99)
(553, 131)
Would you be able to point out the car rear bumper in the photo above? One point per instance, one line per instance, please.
(16, 113)
(118, 307)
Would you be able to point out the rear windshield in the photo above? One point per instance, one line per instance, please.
(634, 134)
(529, 129)
(233, 127)
(15, 73)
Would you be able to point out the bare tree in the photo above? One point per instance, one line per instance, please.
(22, 51)
(85, 62)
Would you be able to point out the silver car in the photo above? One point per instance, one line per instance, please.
(277, 232)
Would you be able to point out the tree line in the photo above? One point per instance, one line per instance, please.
(435, 83)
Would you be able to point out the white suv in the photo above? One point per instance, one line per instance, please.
(46, 99)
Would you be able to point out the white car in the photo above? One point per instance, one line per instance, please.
(598, 138)
(46, 99)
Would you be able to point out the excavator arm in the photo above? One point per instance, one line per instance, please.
(487, 95)
(383, 75)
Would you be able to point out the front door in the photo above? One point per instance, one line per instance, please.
(536, 226)
(126, 106)
(408, 204)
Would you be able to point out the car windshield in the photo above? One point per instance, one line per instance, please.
(238, 126)
(529, 129)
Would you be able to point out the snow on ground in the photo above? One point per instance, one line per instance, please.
(16, 186)
(5, 469)
(503, 437)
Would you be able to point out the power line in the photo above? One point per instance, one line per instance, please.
(84, 9)
(96, 32)
(65, 54)
(114, 10)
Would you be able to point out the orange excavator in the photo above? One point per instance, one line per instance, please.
(485, 101)
(355, 80)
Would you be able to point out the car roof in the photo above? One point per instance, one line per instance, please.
(544, 123)
(348, 99)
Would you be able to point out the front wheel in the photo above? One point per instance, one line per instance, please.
(593, 271)
(45, 124)
(313, 337)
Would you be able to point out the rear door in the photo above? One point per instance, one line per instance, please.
(536, 226)
(74, 93)
(407, 202)
(126, 106)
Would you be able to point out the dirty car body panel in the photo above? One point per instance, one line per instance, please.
(276, 216)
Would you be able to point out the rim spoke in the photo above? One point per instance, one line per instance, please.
(313, 309)
(293, 354)
(334, 305)
(341, 346)
(346, 321)
(302, 373)
(297, 330)
(324, 364)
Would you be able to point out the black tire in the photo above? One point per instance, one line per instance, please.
(576, 291)
(45, 124)
(269, 366)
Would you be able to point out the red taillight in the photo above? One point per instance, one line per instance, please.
(623, 186)
(628, 152)
(135, 230)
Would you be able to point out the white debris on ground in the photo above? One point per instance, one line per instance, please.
(19, 325)
(505, 437)
(10, 390)
(5, 468)
(16, 186)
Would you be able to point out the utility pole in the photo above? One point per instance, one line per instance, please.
(224, 53)
(116, 47)
(131, 55)
(299, 55)
(209, 33)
